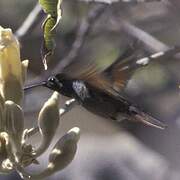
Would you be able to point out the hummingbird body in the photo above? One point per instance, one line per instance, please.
(99, 102)
(99, 90)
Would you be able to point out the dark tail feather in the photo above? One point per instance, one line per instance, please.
(145, 118)
(149, 120)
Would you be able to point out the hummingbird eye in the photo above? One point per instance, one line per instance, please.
(53, 83)
(52, 79)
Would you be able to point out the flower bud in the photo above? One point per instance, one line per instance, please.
(64, 150)
(25, 64)
(48, 121)
(3, 149)
(10, 67)
(14, 120)
(1, 114)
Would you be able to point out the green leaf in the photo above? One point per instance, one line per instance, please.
(49, 33)
(53, 11)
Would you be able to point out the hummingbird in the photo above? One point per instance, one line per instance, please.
(100, 90)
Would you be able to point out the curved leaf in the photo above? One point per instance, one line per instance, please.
(53, 11)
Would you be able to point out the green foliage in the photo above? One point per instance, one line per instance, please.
(53, 11)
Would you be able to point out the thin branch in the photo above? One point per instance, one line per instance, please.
(34, 17)
(82, 33)
(170, 53)
(121, 1)
(153, 44)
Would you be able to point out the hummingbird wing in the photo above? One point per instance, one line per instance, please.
(102, 77)
(114, 78)
(123, 69)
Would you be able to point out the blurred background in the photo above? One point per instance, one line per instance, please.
(109, 150)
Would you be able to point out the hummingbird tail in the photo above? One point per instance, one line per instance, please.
(145, 118)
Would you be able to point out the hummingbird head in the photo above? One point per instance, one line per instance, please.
(53, 83)
(59, 83)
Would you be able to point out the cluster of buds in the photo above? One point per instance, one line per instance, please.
(15, 152)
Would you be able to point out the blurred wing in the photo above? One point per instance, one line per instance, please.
(89, 73)
(115, 77)
(110, 78)
(121, 71)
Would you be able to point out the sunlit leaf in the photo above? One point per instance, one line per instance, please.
(52, 8)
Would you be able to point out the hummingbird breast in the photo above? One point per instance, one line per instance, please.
(109, 106)
(97, 101)
(81, 90)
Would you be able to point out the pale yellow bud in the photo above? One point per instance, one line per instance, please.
(10, 66)
(48, 121)
(3, 148)
(25, 64)
(64, 150)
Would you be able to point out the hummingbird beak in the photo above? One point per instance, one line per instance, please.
(43, 83)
